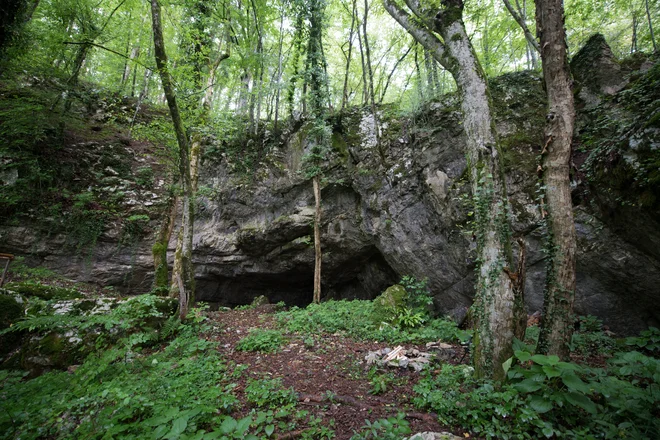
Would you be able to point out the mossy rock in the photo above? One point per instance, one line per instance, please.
(43, 291)
(389, 303)
(261, 300)
(10, 311)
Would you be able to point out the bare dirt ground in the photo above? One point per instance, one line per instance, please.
(332, 365)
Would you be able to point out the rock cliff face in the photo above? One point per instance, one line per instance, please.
(400, 208)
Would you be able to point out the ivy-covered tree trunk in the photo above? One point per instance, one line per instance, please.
(493, 309)
(186, 279)
(557, 323)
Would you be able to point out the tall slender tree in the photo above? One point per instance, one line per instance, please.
(186, 280)
(557, 324)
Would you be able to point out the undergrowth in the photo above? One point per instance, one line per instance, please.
(547, 398)
(353, 318)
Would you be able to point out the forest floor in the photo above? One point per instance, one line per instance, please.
(328, 372)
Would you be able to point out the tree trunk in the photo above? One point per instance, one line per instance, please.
(317, 239)
(159, 249)
(371, 96)
(495, 299)
(344, 95)
(279, 72)
(633, 42)
(186, 282)
(648, 16)
(557, 324)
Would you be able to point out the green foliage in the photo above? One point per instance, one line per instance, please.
(354, 318)
(590, 339)
(648, 341)
(144, 176)
(135, 228)
(545, 397)
(177, 392)
(269, 393)
(10, 310)
(135, 322)
(405, 305)
(392, 428)
(265, 341)
(380, 382)
(43, 291)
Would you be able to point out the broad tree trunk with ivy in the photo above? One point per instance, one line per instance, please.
(442, 32)
(186, 279)
(557, 323)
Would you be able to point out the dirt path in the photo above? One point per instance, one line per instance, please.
(315, 365)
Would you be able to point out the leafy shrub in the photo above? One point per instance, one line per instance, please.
(265, 341)
(269, 393)
(354, 319)
(590, 340)
(392, 428)
(405, 305)
(647, 341)
(546, 397)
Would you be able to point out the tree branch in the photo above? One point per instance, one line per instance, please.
(89, 43)
(521, 22)
(422, 34)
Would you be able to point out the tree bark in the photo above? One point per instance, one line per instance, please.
(317, 239)
(557, 323)
(494, 300)
(186, 282)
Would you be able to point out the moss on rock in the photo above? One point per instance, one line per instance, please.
(389, 303)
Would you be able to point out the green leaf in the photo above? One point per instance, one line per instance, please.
(269, 430)
(545, 360)
(548, 431)
(243, 424)
(574, 383)
(551, 371)
(581, 401)
(523, 356)
(528, 386)
(228, 425)
(178, 427)
(540, 404)
(507, 365)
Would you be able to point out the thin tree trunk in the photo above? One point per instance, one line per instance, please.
(317, 239)
(370, 76)
(430, 86)
(279, 72)
(557, 323)
(186, 282)
(365, 88)
(344, 95)
(495, 298)
(520, 19)
(633, 42)
(389, 77)
(648, 16)
(159, 249)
